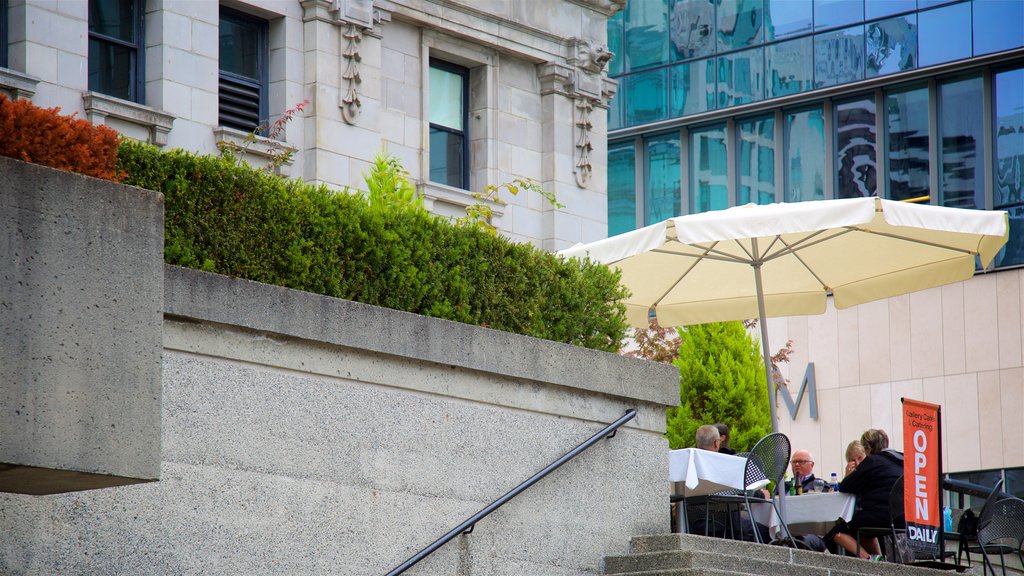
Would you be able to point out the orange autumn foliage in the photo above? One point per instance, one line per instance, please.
(43, 136)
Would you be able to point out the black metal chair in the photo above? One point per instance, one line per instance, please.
(767, 460)
(1001, 530)
(896, 517)
(969, 541)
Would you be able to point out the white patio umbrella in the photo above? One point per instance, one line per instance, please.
(784, 259)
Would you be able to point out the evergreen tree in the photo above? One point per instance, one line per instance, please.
(721, 380)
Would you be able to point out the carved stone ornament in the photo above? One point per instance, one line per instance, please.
(350, 104)
(583, 170)
(590, 56)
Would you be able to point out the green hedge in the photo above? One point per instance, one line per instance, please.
(241, 222)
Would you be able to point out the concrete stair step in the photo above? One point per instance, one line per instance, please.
(676, 553)
(733, 564)
(697, 571)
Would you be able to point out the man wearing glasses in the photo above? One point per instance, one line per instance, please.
(803, 470)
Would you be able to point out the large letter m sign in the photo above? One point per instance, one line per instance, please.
(807, 385)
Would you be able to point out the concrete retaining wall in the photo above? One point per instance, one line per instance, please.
(81, 282)
(309, 435)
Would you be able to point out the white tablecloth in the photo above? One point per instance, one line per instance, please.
(700, 472)
(813, 513)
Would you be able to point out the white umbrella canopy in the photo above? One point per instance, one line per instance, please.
(784, 259)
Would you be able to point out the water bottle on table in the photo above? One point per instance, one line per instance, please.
(833, 484)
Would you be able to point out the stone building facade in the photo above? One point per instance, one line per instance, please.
(519, 89)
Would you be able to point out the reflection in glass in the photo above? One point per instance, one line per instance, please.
(113, 18)
(709, 187)
(790, 66)
(646, 34)
(998, 25)
(621, 187)
(240, 47)
(856, 170)
(805, 155)
(615, 45)
(832, 13)
(944, 34)
(756, 156)
(615, 112)
(907, 134)
(446, 156)
(739, 23)
(740, 77)
(891, 46)
(646, 97)
(110, 69)
(661, 196)
(1009, 156)
(1014, 482)
(922, 4)
(839, 56)
(787, 17)
(693, 87)
(881, 8)
(961, 167)
(692, 28)
(446, 98)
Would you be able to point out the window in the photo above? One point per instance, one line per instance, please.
(790, 66)
(621, 187)
(756, 156)
(961, 144)
(449, 117)
(646, 97)
(242, 102)
(1008, 91)
(891, 45)
(3, 33)
(839, 57)
(856, 170)
(944, 34)
(907, 134)
(709, 175)
(115, 48)
(646, 34)
(662, 178)
(693, 87)
(805, 155)
(740, 77)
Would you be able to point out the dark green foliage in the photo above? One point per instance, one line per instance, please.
(241, 222)
(721, 380)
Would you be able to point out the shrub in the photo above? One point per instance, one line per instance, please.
(233, 220)
(43, 136)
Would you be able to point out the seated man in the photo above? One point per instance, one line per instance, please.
(708, 438)
(803, 471)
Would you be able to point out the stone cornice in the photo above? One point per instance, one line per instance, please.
(607, 7)
(448, 17)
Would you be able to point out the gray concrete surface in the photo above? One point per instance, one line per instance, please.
(307, 435)
(81, 282)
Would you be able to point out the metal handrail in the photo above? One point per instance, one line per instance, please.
(467, 526)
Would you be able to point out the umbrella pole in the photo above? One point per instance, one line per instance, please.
(764, 344)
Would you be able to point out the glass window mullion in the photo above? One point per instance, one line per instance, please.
(684, 170)
(988, 160)
(730, 162)
(881, 146)
(830, 150)
(934, 145)
(640, 160)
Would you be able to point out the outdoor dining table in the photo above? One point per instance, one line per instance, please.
(812, 513)
(695, 472)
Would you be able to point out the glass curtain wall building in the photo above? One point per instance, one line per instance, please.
(726, 102)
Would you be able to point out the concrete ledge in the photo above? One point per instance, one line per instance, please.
(81, 284)
(230, 301)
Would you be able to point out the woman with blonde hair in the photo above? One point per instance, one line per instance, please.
(854, 456)
(871, 481)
